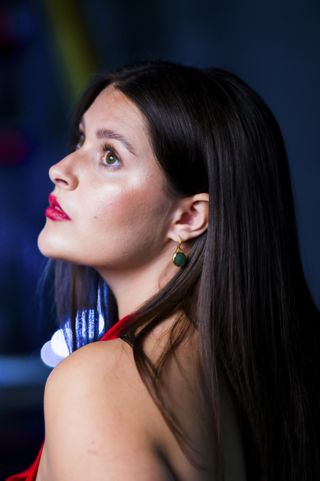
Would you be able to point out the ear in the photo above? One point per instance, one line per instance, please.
(190, 218)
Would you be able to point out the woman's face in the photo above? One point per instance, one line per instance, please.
(113, 191)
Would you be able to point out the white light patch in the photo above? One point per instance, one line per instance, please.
(58, 344)
(48, 356)
(53, 351)
(101, 323)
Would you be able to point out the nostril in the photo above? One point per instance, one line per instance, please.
(62, 174)
(58, 180)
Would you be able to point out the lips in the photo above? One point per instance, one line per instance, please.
(55, 211)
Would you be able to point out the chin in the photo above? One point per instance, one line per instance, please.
(48, 246)
(46, 249)
(42, 243)
(55, 247)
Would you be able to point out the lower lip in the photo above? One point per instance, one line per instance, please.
(55, 214)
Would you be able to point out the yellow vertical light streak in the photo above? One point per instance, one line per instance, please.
(73, 44)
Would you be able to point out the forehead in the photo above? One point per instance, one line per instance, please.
(111, 105)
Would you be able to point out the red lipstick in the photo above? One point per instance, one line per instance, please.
(55, 211)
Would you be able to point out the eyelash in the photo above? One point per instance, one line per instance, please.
(105, 148)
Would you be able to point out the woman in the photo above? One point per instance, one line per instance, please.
(176, 195)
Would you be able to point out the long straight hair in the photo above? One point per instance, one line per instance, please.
(243, 289)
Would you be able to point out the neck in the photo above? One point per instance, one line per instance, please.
(132, 288)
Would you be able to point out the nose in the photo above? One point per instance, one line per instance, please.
(62, 174)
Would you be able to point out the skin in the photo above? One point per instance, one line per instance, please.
(100, 420)
(123, 222)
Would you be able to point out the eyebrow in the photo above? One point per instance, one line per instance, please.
(111, 134)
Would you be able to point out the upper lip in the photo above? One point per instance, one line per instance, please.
(53, 202)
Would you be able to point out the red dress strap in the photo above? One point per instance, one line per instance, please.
(30, 474)
(114, 331)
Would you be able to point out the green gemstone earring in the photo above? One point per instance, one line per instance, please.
(179, 258)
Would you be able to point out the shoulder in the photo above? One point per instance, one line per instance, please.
(93, 364)
(100, 418)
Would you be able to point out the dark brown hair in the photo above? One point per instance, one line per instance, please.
(243, 289)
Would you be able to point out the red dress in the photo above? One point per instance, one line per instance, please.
(31, 473)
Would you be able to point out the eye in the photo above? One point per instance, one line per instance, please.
(110, 157)
(80, 140)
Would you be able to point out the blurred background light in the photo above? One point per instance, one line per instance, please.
(58, 344)
(56, 349)
(48, 356)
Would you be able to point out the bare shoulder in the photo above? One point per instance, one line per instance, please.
(100, 420)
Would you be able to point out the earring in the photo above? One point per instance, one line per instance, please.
(179, 258)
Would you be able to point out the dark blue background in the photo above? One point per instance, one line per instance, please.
(48, 51)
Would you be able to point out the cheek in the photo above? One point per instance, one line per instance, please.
(127, 198)
(135, 215)
(112, 208)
